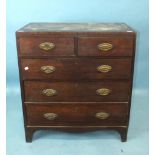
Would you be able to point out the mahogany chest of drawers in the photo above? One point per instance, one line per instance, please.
(76, 77)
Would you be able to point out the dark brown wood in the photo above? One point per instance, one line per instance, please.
(122, 130)
(76, 57)
(76, 91)
(123, 133)
(29, 46)
(29, 134)
(76, 68)
(79, 114)
(122, 46)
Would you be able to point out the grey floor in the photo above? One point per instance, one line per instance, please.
(90, 143)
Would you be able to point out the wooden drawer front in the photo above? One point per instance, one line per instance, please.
(109, 46)
(76, 91)
(76, 69)
(76, 114)
(37, 46)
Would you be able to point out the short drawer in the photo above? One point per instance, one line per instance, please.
(68, 69)
(37, 91)
(105, 46)
(46, 46)
(76, 114)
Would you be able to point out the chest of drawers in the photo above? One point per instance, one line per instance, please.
(76, 77)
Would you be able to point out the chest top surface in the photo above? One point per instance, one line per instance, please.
(76, 27)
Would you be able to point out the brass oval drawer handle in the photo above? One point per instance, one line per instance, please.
(47, 69)
(103, 91)
(47, 46)
(104, 68)
(49, 92)
(102, 115)
(50, 116)
(105, 46)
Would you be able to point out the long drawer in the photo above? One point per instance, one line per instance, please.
(37, 91)
(76, 69)
(76, 114)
